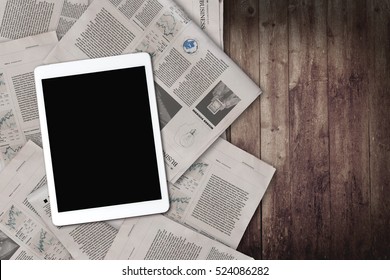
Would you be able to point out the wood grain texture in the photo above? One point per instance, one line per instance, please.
(348, 129)
(245, 131)
(276, 207)
(309, 139)
(379, 87)
(323, 121)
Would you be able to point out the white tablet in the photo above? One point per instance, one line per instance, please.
(101, 139)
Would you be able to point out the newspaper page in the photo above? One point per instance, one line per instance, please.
(18, 106)
(221, 22)
(89, 241)
(70, 13)
(218, 195)
(19, 19)
(22, 235)
(208, 15)
(159, 238)
(200, 89)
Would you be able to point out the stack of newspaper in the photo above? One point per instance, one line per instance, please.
(214, 187)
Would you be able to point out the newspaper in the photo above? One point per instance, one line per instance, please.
(18, 108)
(218, 195)
(11, 141)
(22, 235)
(200, 90)
(208, 15)
(70, 13)
(158, 238)
(89, 241)
(19, 19)
(225, 184)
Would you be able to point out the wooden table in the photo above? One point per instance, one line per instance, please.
(323, 121)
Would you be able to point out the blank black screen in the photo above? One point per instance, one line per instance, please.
(101, 139)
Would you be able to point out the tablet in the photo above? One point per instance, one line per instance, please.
(101, 139)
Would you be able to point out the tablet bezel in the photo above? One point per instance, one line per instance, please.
(107, 212)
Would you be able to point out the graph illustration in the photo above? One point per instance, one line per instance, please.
(191, 179)
(13, 218)
(42, 242)
(198, 169)
(179, 202)
(7, 120)
(10, 152)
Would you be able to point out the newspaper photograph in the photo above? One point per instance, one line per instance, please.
(218, 195)
(201, 89)
(22, 234)
(19, 119)
(159, 238)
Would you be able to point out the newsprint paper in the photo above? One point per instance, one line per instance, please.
(17, 92)
(225, 179)
(214, 187)
(18, 101)
(200, 90)
(208, 15)
(95, 241)
(218, 195)
(19, 19)
(23, 236)
(89, 241)
(158, 238)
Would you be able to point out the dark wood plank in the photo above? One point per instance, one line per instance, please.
(245, 131)
(379, 86)
(330, 137)
(276, 204)
(309, 139)
(348, 129)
